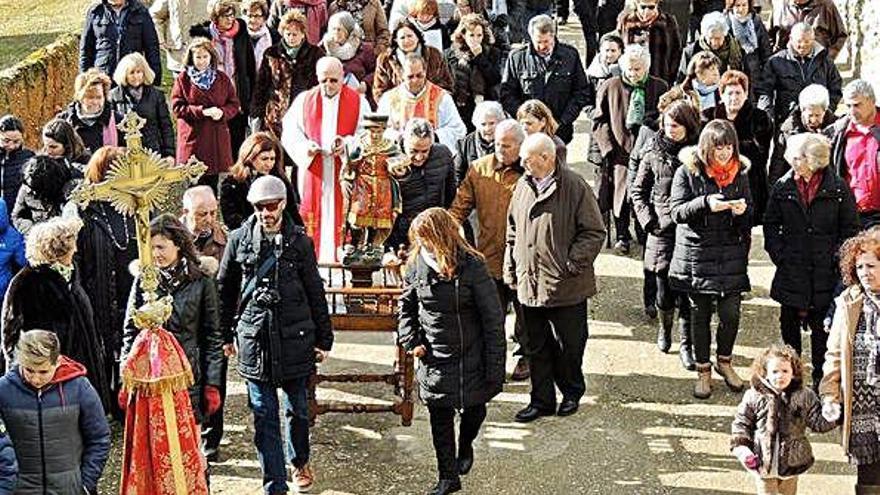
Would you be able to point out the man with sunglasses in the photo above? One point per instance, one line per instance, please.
(313, 133)
(274, 309)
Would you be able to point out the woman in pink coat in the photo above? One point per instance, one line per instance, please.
(204, 100)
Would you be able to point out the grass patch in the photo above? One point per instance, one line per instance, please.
(30, 24)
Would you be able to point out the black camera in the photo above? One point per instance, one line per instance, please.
(266, 296)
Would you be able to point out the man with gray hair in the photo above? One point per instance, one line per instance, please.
(547, 70)
(789, 71)
(486, 189)
(554, 233)
(820, 14)
(200, 218)
(856, 149)
(428, 181)
(480, 142)
(418, 97)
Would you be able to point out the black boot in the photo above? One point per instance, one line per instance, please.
(446, 486)
(465, 459)
(664, 330)
(686, 350)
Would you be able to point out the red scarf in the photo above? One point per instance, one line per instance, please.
(346, 125)
(807, 190)
(723, 173)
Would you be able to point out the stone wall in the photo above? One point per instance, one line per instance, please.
(38, 87)
(862, 53)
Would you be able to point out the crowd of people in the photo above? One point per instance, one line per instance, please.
(706, 120)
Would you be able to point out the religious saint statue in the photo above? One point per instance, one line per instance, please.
(371, 192)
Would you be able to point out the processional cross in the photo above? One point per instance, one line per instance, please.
(137, 182)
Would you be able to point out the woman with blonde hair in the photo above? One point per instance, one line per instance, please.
(809, 216)
(47, 295)
(204, 101)
(90, 112)
(260, 154)
(451, 320)
(535, 116)
(134, 92)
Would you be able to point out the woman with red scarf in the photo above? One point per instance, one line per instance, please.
(233, 44)
(711, 206)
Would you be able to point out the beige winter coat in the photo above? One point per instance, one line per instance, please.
(173, 19)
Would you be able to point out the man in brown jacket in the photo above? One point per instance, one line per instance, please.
(554, 233)
(487, 188)
(821, 14)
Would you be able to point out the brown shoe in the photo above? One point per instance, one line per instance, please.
(521, 370)
(304, 478)
(703, 386)
(725, 369)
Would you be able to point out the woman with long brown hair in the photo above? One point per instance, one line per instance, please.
(260, 154)
(451, 319)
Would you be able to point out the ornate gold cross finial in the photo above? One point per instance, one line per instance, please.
(137, 182)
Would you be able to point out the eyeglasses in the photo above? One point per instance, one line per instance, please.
(647, 6)
(228, 15)
(269, 206)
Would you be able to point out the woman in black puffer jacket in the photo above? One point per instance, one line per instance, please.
(135, 92)
(651, 192)
(451, 319)
(711, 206)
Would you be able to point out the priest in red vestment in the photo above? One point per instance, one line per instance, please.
(314, 133)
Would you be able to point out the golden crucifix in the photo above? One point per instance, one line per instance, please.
(136, 183)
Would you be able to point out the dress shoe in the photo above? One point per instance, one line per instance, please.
(465, 459)
(567, 407)
(446, 486)
(530, 414)
(521, 370)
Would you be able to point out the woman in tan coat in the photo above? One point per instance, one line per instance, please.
(852, 361)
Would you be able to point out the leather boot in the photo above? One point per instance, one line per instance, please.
(725, 369)
(703, 387)
(686, 349)
(664, 330)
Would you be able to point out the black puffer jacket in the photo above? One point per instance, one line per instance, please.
(793, 125)
(785, 75)
(803, 241)
(651, 191)
(158, 133)
(711, 248)
(432, 184)
(461, 325)
(194, 322)
(560, 83)
(104, 41)
(473, 76)
(276, 342)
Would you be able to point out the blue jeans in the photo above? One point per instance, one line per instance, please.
(263, 401)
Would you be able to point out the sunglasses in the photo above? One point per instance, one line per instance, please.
(647, 7)
(269, 206)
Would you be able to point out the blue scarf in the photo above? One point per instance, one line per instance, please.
(202, 79)
(744, 32)
(706, 94)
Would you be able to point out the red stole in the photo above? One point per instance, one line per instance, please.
(346, 125)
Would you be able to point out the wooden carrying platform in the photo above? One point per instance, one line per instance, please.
(365, 309)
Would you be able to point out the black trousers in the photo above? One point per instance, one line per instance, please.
(443, 435)
(557, 338)
(212, 426)
(586, 10)
(507, 297)
(649, 289)
(868, 475)
(728, 307)
(668, 300)
(792, 321)
(622, 221)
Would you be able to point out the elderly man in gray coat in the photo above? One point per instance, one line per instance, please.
(554, 233)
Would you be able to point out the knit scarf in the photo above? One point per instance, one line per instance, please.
(706, 94)
(261, 40)
(343, 51)
(316, 15)
(723, 173)
(635, 114)
(872, 335)
(744, 32)
(224, 43)
(203, 79)
(730, 53)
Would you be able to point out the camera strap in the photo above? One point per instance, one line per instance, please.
(262, 271)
